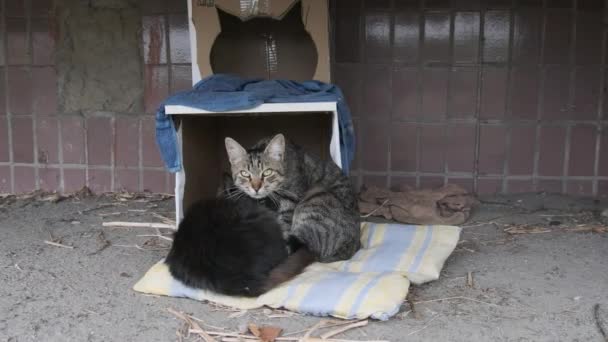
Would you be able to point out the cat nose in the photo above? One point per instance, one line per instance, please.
(256, 184)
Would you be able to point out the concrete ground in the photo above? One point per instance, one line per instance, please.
(537, 286)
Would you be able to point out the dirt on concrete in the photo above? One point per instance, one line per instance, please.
(536, 281)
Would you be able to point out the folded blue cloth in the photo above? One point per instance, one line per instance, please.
(228, 92)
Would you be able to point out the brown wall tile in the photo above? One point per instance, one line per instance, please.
(588, 37)
(154, 39)
(406, 37)
(4, 150)
(582, 151)
(586, 92)
(466, 37)
(405, 94)
(72, 139)
(463, 92)
(126, 180)
(551, 155)
(150, 153)
(496, 36)
(50, 178)
(556, 94)
(181, 78)
(527, 36)
(436, 44)
(374, 149)
(377, 37)
(521, 160)
(47, 135)
(558, 35)
(603, 170)
(25, 179)
(549, 186)
(179, 38)
(602, 190)
(489, 186)
(43, 41)
(432, 147)
(431, 182)
(579, 188)
(492, 149)
(126, 145)
(515, 186)
(154, 181)
(347, 46)
(3, 91)
(99, 137)
(100, 181)
(460, 148)
(156, 86)
(493, 93)
(19, 90)
(403, 147)
(434, 92)
(16, 38)
(379, 181)
(466, 183)
(73, 180)
(44, 90)
(5, 179)
(377, 92)
(23, 139)
(524, 92)
(400, 183)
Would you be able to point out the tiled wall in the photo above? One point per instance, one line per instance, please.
(499, 96)
(41, 148)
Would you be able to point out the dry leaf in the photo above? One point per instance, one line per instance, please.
(269, 333)
(254, 329)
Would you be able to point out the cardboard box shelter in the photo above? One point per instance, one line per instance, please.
(201, 133)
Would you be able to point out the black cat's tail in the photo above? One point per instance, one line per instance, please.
(290, 267)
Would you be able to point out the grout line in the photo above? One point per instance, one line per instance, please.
(508, 98)
(389, 158)
(600, 110)
(448, 100)
(478, 99)
(469, 175)
(60, 155)
(571, 95)
(85, 127)
(540, 99)
(112, 154)
(9, 116)
(419, 86)
(140, 158)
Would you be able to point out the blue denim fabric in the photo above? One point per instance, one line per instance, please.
(227, 92)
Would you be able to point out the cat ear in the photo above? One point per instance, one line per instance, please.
(295, 13)
(226, 19)
(276, 148)
(236, 152)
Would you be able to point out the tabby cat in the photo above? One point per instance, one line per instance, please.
(233, 247)
(314, 200)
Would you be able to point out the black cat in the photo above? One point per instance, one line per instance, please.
(263, 47)
(234, 247)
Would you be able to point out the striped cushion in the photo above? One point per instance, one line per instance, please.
(373, 283)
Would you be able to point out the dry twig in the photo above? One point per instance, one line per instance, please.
(598, 321)
(57, 244)
(454, 298)
(343, 329)
(138, 225)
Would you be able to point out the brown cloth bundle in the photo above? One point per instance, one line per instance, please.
(448, 205)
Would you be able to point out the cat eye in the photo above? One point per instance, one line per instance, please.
(245, 174)
(267, 173)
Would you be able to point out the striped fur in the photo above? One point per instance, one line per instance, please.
(314, 199)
